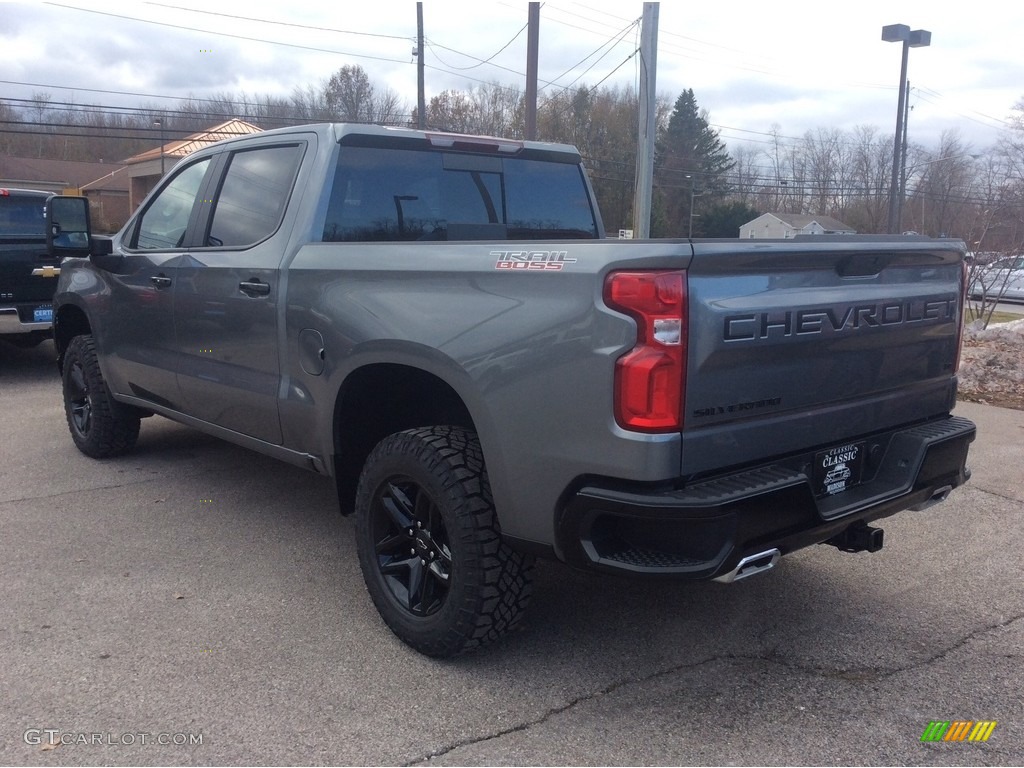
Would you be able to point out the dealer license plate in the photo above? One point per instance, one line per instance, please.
(42, 315)
(838, 469)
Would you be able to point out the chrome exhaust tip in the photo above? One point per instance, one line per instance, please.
(940, 495)
(751, 565)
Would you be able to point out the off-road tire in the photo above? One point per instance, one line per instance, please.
(100, 426)
(429, 544)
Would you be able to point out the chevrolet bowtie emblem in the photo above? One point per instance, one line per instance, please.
(46, 271)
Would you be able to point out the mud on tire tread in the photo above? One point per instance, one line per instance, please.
(112, 427)
(490, 583)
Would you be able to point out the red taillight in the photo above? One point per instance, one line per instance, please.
(649, 378)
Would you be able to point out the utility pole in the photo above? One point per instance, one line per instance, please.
(693, 195)
(532, 45)
(421, 96)
(645, 139)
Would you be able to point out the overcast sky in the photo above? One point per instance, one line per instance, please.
(794, 65)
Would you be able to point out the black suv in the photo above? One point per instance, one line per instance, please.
(28, 276)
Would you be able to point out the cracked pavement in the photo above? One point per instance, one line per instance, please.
(193, 587)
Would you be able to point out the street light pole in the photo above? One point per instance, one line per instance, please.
(160, 123)
(918, 38)
(901, 198)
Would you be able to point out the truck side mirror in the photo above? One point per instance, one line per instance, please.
(67, 226)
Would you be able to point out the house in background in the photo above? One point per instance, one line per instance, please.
(105, 184)
(146, 168)
(786, 225)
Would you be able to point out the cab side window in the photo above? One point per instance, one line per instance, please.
(253, 196)
(164, 223)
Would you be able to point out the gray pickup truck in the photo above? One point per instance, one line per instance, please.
(438, 323)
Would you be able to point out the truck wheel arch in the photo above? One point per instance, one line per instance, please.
(70, 321)
(380, 399)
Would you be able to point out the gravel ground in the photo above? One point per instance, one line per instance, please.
(992, 365)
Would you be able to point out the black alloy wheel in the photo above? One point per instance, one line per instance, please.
(430, 546)
(100, 426)
(412, 549)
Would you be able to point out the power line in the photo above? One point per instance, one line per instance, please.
(480, 62)
(281, 23)
(546, 83)
(229, 34)
(924, 93)
(611, 43)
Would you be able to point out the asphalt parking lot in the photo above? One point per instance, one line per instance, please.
(198, 594)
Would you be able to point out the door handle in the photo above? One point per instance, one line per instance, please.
(254, 287)
(160, 281)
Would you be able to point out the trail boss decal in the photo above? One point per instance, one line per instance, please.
(533, 260)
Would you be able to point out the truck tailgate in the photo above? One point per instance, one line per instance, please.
(793, 346)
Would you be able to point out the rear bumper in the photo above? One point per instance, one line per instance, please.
(704, 530)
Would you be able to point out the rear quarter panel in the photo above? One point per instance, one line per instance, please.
(531, 353)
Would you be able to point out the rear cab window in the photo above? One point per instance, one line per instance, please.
(253, 195)
(22, 215)
(389, 194)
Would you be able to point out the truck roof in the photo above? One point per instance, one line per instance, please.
(439, 139)
(15, 192)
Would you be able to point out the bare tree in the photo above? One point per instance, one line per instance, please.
(942, 182)
(351, 97)
(309, 104)
(822, 152)
(869, 164)
(746, 181)
(499, 110)
(451, 111)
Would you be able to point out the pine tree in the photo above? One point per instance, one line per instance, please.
(691, 164)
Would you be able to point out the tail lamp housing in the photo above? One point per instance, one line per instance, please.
(964, 294)
(649, 378)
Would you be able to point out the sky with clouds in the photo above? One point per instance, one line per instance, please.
(793, 67)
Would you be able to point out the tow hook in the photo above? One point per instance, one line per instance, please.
(859, 537)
